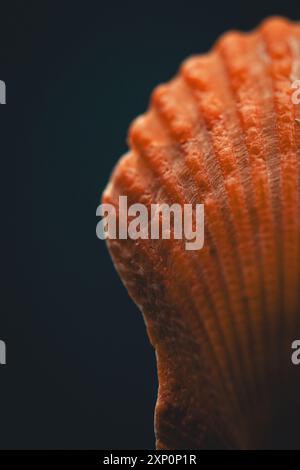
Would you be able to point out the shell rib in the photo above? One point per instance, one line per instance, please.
(225, 133)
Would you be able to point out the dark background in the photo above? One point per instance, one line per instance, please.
(81, 372)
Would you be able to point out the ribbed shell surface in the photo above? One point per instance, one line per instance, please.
(224, 133)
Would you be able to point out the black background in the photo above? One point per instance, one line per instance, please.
(80, 371)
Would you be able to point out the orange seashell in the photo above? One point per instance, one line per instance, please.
(224, 133)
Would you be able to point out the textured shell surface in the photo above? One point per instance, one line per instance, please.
(224, 133)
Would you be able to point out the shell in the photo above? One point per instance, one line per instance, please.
(224, 132)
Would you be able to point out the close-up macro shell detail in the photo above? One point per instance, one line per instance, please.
(224, 132)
